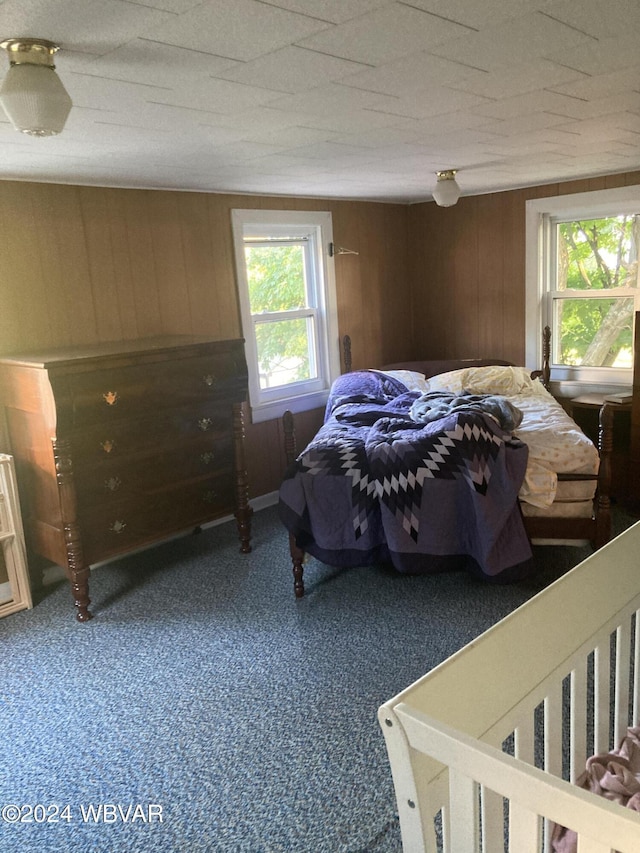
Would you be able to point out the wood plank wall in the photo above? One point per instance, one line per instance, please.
(467, 270)
(83, 264)
(80, 264)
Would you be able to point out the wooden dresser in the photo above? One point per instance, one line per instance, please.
(123, 444)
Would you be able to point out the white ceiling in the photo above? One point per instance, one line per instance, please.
(360, 99)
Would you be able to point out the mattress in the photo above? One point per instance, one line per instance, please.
(556, 445)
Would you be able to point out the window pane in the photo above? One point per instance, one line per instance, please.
(597, 254)
(594, 332)
(286, 352)
(276, 278)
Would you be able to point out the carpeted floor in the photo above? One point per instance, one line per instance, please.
(230, 717)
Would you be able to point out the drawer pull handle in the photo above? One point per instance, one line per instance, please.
(107, 445)
(118, 526)
(110, 398)
(210, 497)
(207, 458)
(205, 424)
(113, 484)
(209, 380)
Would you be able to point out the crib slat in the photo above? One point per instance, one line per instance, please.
(636, 670)
(463, 812)
(524, 737)
(602, 668)
(492, 812)
(578, 742)
(553, 731)
(524, 830)
(623, 663)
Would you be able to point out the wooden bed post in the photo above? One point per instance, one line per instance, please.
(545, 373)
(297, 554)
(346, 349)
(603, 501)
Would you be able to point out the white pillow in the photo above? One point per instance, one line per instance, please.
(493, 379)
(412, 379)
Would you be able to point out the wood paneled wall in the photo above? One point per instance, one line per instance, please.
(82, 264)
(467, 270)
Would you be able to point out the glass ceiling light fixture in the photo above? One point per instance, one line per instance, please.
(32, 94)
(447, 191)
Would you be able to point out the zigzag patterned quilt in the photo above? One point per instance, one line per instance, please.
(375, 486)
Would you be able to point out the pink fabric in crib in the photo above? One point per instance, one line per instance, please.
(614, 775)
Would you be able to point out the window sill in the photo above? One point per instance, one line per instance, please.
(276, 409)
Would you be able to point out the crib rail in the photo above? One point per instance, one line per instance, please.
(485, 748)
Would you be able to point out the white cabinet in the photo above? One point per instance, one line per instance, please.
(15, 592)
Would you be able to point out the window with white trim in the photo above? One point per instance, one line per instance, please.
(286, 285)
(582, 281)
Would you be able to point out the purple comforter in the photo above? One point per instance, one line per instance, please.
(376, 486)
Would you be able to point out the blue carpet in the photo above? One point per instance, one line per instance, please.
(204, 694)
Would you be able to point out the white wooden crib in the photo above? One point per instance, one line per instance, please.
(484, 749)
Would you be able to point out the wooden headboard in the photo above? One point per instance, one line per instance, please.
(433, 367)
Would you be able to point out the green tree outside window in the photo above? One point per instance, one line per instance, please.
(596, 256)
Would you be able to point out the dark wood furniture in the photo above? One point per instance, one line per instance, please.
(596, 529)
(120, 445)
(634, 449)
(585, 410)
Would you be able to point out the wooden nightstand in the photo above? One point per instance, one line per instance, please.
(585, 410)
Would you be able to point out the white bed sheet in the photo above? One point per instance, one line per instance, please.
(556, 443)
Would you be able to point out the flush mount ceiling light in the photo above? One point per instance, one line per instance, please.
(32, 94)
(447, 191)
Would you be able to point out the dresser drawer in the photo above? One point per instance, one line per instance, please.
(111, 394)
(203, 425)
(120, 525)
(140, 475)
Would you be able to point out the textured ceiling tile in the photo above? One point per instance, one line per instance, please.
(602, 85)
(215, 95)
(292, 69)
(384, 35)
(597, 18)
(509, 80)
(333, 98)
(511, 92)
(238, 29)
(434, 101)
(600, 57)
(336, 11)
(480, 15)
(521, 40)
(414, 73)
(147, 61)
(90, 26)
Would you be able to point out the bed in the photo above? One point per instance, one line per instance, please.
(392, 476)
(527, 734)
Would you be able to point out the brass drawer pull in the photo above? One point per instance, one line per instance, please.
(107, 445)
(118, 526)
(209, 380)
(110, 398)
(205, 424)
(210, 497)
(113, 484)
(207, 458)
